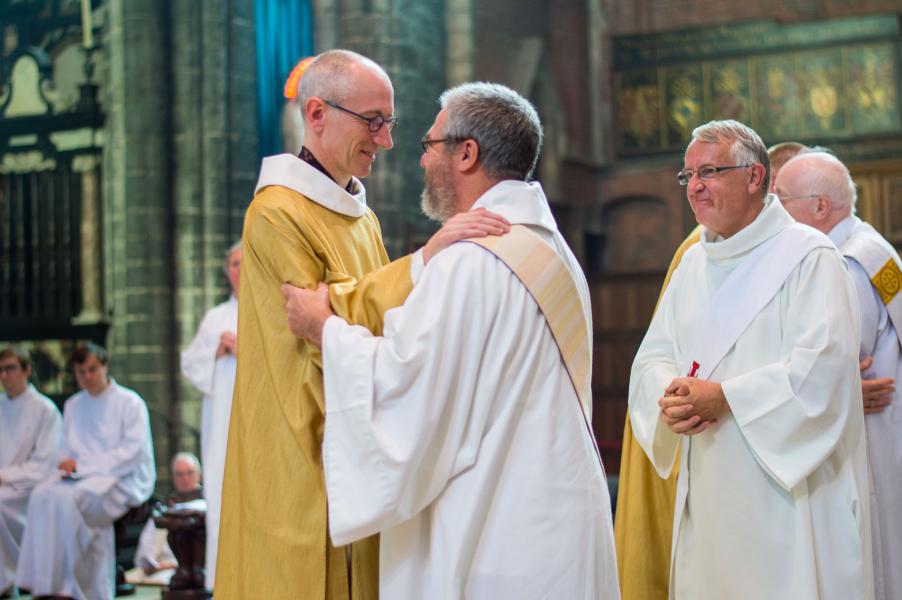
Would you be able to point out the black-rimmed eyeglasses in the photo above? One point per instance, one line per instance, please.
(374, 124)
(704, 173)
(426, 143)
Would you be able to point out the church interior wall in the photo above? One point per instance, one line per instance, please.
(179, 154)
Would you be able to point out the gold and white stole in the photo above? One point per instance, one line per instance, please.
(545, 275)
(882, 264)
(752, 284)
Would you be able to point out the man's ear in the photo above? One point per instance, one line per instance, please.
(823, 207)
(314, 113)
(756, 178)
(467, 155)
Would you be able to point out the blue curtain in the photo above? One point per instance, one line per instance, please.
(284, 36)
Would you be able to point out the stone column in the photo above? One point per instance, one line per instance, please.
(179, 172)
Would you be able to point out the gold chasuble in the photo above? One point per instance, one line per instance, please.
(643, 523)
(301, 228)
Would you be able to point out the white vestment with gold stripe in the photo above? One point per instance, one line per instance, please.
(459, 434)
(874, 266)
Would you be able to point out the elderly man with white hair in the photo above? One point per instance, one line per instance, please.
(752, 361)
(155, 563)
(817, 190)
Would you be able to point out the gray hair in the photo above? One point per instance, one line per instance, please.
(746, 148)
(187, 456)
(329, 76)
(825, 174)
(504, 124)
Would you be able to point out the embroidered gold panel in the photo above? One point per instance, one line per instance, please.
(834, 79)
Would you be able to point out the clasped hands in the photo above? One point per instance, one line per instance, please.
(690, 405)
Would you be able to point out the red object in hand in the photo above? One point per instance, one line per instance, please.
(693, 372)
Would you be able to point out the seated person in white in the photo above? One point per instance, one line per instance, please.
(107, 466)
(30, 428)
(155, 563)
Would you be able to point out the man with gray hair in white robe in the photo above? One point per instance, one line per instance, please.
(30, 426)
(106, 467)
(209, 363)
(462, 433)
(751, 363)
(817, 190)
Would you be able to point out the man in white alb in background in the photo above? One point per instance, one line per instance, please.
(462, 433)
(817, 190)
(155, 562)
(30, 427)
(751, 361)
(106, 467)
(209, 363)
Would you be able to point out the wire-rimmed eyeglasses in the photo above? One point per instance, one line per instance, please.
(374, 124)
(426, 143)
(707, 172)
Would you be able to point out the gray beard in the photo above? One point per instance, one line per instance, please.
(435, 207)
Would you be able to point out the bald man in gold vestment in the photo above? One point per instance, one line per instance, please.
(308, 222)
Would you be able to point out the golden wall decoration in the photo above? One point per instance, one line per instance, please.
(799, 92)
(684, 103)
(638, 110)
(776, 92)
(730, 97)
(871, 97)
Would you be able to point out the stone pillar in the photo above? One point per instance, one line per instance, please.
(214, 149)
(138, 204)
(179, 171)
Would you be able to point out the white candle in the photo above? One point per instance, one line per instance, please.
(87, 30)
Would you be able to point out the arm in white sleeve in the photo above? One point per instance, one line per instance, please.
(654, 367)
(399, 407)
(871, 311)
(130, 452)
(146, 554)
(794, 411)
(44, 455)
(198, 360)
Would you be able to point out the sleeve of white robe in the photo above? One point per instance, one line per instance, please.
(653, 369)
(398, 408)
(146, 554)
(44, 456)
(198, 360)
(870, 309)
(793, 412)
(130, 452)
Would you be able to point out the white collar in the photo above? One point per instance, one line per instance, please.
(287, 170)
(772, 219)
(843, 230)
(519, 202)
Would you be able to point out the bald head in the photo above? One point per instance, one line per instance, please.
(337, 75)
(817, 189)
(348, 105)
